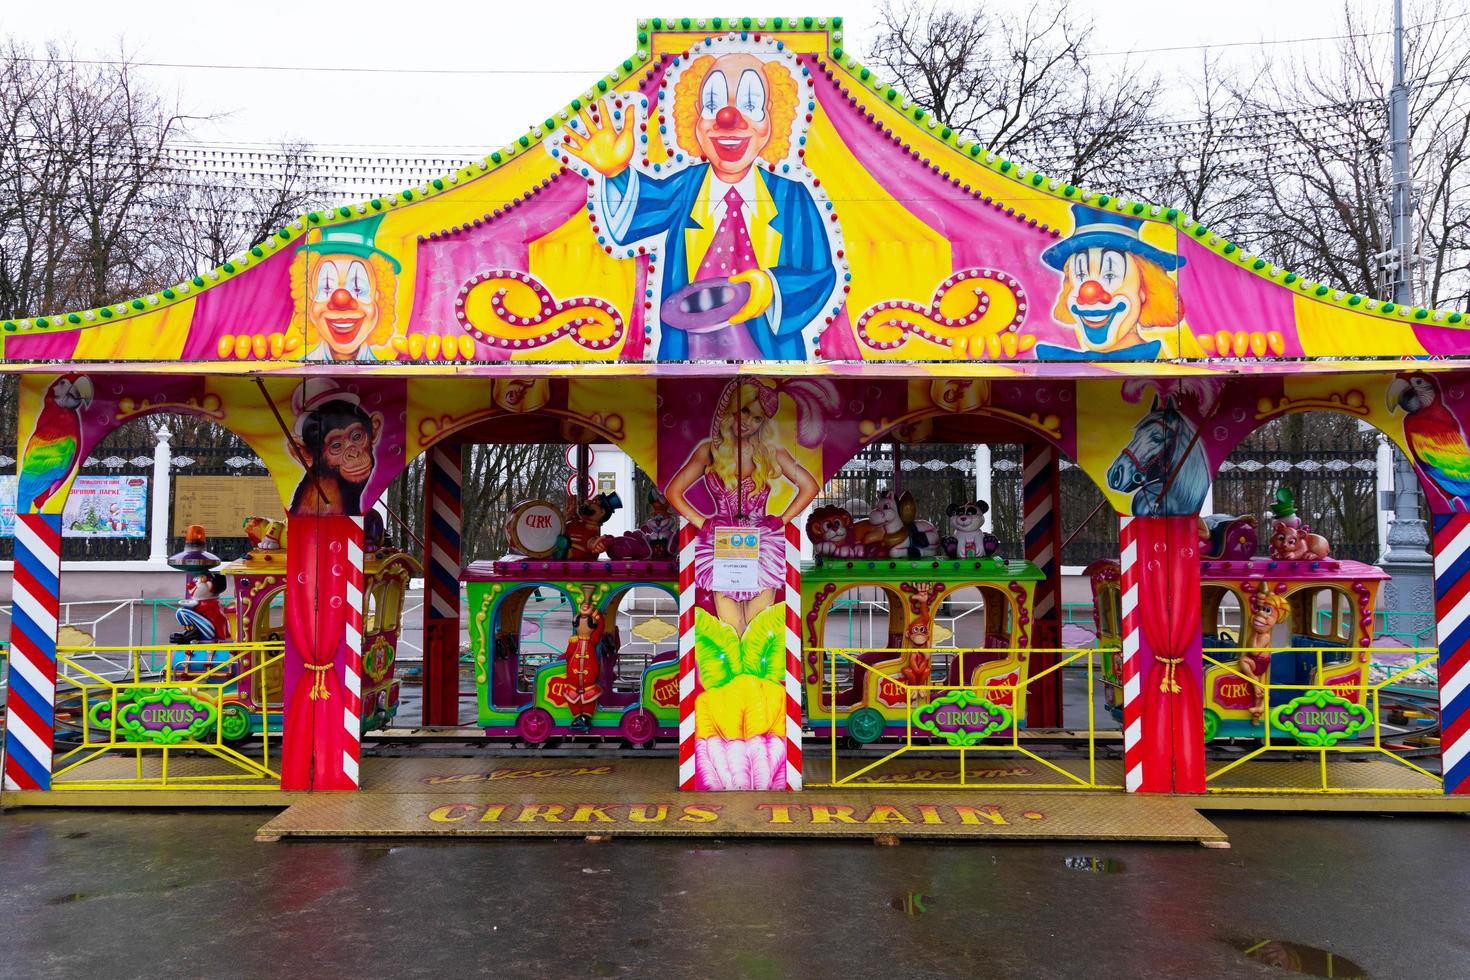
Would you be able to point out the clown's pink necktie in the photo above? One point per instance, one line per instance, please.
(729, 252)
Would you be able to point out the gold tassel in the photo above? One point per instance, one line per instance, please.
(319, 683)
(1168, 684)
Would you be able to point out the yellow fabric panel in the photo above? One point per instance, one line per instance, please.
(625, 407)
(464, 202)
(1104, 426)
(892, 254)
(249, 416)
(1325, 330)
(1364, 397)
(570, 263)
(156, 336)
(432, 415)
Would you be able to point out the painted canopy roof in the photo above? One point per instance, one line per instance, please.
(740, 190)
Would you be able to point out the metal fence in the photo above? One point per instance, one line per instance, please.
(942, 474)
(129, 451)
(1336, 493)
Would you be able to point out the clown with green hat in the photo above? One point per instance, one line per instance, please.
(348, 287)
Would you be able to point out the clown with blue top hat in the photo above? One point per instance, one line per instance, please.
(345, 289)
(1114, 285)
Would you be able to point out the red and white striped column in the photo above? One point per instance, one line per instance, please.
(36, 605)
(352, 658)
(688, 669)
(443, 511)
(793, 657)
(1041, 531)
(1452, 621)
(1132, 687)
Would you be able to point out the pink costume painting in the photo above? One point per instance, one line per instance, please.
(740, 713)
(737, 465)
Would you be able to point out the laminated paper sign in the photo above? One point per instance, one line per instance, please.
(737, 559)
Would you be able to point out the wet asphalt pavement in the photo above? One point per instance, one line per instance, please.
(189, 893)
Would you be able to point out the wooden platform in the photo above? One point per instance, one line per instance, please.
(516, 797)
(461, 792)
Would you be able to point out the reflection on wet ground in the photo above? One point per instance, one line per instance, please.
(1300, 959)
(911, 903)
(190, 894)
(1095, 865)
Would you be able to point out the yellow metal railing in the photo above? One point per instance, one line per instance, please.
(1369, 697)
(917, 695)
(140, 676)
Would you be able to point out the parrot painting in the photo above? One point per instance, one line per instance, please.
(1436, 439)
(51, 453)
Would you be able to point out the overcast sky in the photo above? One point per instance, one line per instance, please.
(548, 52)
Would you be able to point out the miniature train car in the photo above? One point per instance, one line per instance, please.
(584, 687)
(260, 589)
(1295, 623)
(874, 696)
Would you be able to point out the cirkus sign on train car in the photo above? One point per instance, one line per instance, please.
(962, 717)
(1321, 718)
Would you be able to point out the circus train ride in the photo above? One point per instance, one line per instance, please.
(1273, 628)
(536, 693)
(253, 703)
(905, 566)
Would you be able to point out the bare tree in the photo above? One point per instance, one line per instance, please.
(1326, 193)
(98, 202)
(82, 160)
(1024, 87)
(496, 478)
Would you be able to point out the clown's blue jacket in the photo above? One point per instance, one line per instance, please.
(787, 235)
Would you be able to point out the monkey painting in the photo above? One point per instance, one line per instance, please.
(336, 441)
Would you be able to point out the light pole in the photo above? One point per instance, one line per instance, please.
(1407, 558)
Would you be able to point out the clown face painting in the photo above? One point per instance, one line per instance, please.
(1114, 285)
(744, 251)
(345, 287)
(734, 124)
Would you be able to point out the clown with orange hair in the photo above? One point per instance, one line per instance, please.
(343, 290)
(747, 266)
(1114, 286)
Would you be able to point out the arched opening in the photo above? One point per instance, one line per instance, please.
(1329, 463)
(506, 463)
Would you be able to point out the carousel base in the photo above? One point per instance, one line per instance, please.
(632, 797)
(566, 794)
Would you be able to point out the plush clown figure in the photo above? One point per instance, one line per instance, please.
(745, 260)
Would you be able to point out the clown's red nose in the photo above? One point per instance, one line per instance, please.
(728, 117)
(1092, 292)
(340, 299)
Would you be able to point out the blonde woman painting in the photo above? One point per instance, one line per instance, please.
(738, 465)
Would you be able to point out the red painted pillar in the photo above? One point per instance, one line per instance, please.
(323, 664)
(443, 479)
(1162, 665)
(1041, 528)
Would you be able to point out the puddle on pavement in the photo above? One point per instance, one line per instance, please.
(1307, 960)
(66, 899)
(911, 903)
(1094, 865)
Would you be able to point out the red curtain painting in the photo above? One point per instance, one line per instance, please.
(1172, 679)
(316, 651)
